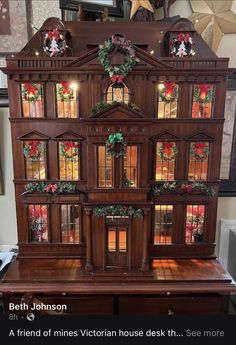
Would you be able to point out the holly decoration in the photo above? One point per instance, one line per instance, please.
(182, 46)
(168, 151)
(203, 93)
(199, 150)
(117, 210)
(117, 73)
(52, 188)
(31, 91)
(182, 187)
(116, 145)
(54, 43)
(65, 92)
(34, 150)
(69, 149)
(168, 92)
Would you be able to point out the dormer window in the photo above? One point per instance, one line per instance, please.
(67, 99)
(117, 92)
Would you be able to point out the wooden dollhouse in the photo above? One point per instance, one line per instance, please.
(116, 133)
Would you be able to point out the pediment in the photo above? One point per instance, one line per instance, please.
(34, 135)
(165, 136)
(119, 112)
(89, 60)
(68, 135)
(200, 136)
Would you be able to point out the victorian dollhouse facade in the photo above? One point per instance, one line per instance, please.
(120, 172)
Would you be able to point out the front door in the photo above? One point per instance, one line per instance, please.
(117, 245)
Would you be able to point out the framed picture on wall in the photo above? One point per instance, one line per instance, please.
(115, 7)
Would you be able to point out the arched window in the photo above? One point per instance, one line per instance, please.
(118, 92)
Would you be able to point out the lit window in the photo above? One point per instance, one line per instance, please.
(69, 152)
(70, 224)
(166, 152)
(117, 239)
(118, 92)
(67, 105)
(38, 223)
(31, 96)
(163, 224)
(130, 172)
(195, 223)
(198, 160)
(105, 173)
(167, 100)
(35, 159)
(203, 96)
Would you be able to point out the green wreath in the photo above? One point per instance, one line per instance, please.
(111, 145)
(117, 73)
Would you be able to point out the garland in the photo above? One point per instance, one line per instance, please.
(111, 145)
(182, 45)
(56, 188)
(169, 92)
(199, 150)
(69, 150)
(168, 151)
(203, 93)
(31, 91)
(65, 91)
(117, 73)
(97, 108)
(54, 43)
(34, 150)
(117, 210)
(182, 187)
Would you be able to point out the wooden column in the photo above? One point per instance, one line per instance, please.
(145, 256)
(89, 250)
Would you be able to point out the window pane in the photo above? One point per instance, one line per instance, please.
(195, 223)
(111, 239)
(31, 96)
(35, 159)
(166, 152)
(203, 96)
(105, 175)
(69, 152)
(198, 160)
(130, 174)
(38, 222)
(67, 104)
(163, 224)
(122, 240)
(167, 100)
(118, 92)
(70, 226)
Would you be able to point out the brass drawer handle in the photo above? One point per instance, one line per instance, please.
(170, 312)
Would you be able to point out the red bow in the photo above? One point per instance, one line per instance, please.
(51, 187)
(69, 145)
(168, 148)
(117, 78)
(183, 37)
(199, 148)
(66, 87)
(30, 88)
(169, 88)
(54, 34)
(203, 89)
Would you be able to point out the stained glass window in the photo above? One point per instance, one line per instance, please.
(167, 100)
(38, 222)
(31, 96)
(195, 223)
(203, 96)
(198, 160)
(105, 171)
(166, 152)
(35, 159)
(69, 153)
(70, 223)
(163, 224)
(67, 103)
(118, 92)
(130, 168)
